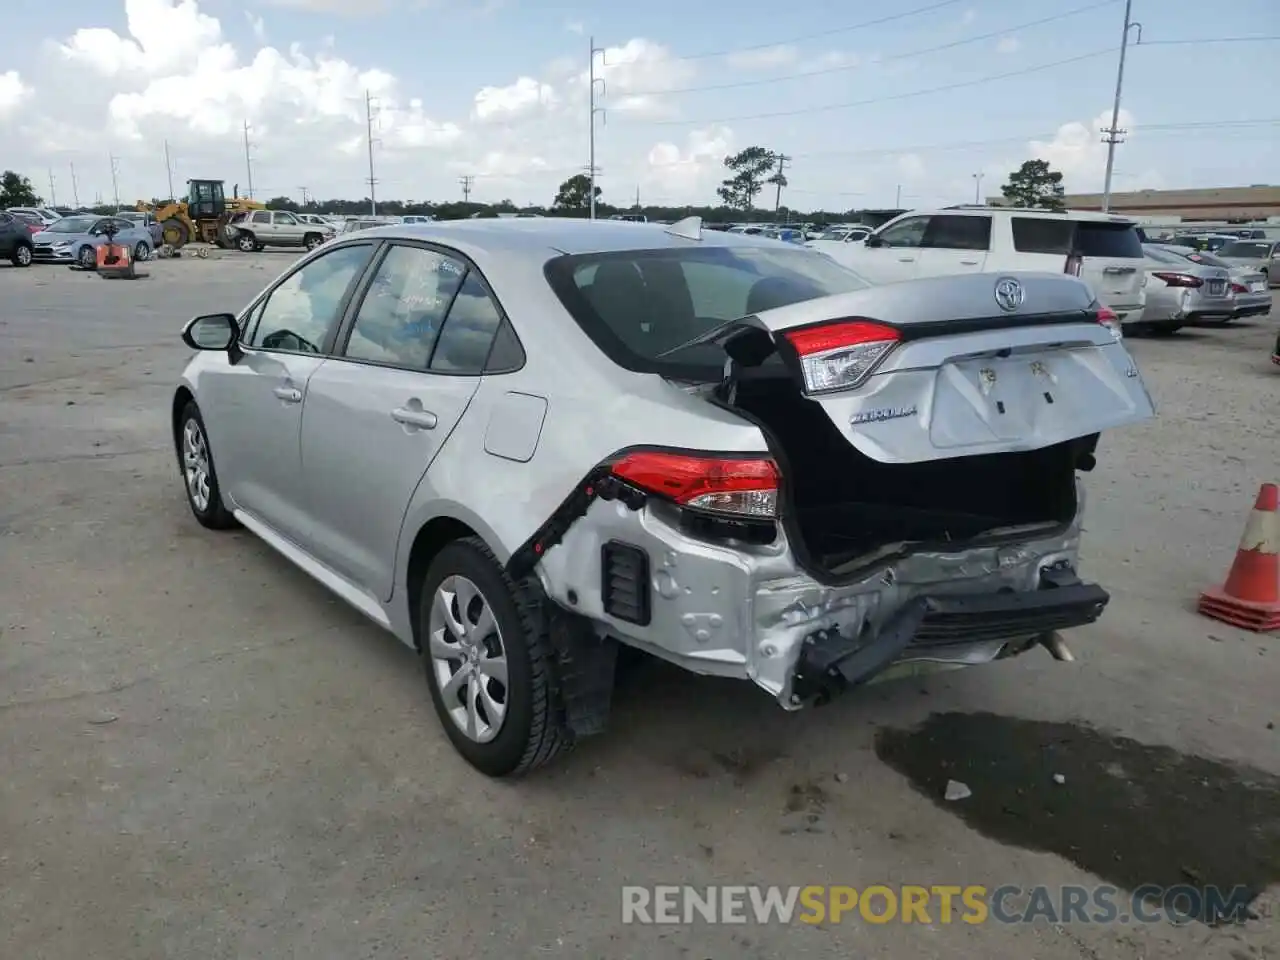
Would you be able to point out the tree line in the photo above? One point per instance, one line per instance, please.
(1034, 184)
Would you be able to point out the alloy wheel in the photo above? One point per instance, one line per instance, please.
(24, 256)
(88, 258)
(195, 464)
(468, 658)
(141, 252)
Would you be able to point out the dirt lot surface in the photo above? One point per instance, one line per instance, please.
(205, 755)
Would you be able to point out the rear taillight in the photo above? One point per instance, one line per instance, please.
(1178, 279)
(737, 486)
(1074, 264)
(1107, 317)
(839, 356)
(1239, 288)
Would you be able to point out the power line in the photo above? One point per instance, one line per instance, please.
(466, 181)
(248, 160)
(372, 181)
(592, 169)
(53, 193)
(820, 34)
(75, 187)
(779, 180)
(1113, 135)
(805, 74)
(826, 108)
(115, 181)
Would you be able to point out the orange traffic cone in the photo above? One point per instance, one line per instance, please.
(1251, 596)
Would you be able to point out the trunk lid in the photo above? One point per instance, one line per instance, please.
(1111, 261)
(962, 372)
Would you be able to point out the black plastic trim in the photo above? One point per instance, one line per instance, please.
(615, 555)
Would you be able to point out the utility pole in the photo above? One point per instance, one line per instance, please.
(115, 181)
(977, 187)
(591, 167)
(778, 180)
(248, 159)
(897, 198)
(637, 198)
(1113, 134)
(75, 188)
(168, 169)
(53, 194)
(369, 115)
(304, 195)
(466, 182)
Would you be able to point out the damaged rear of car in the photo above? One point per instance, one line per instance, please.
(913, 502)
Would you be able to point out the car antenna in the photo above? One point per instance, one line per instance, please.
(690, 228)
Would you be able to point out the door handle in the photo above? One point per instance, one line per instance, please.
(288, 394)
(416, 419)
(906, 259)
(970, 263)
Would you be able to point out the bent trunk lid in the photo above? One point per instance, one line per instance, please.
(969, 377)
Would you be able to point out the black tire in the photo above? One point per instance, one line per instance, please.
(142, 252)
(21, 256)
(259, 247)
(533, 731)
(245, 242)
(175, 233)
(87, 258)
(213, 514)
(312, 240)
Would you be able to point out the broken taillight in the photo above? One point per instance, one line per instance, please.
(1108, 318)
(840, 355)
(739, 486)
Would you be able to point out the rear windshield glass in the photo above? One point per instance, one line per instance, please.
(1164, 256)
(1246, 249)
(1088, 238)
(1208, 259)
(637, 304)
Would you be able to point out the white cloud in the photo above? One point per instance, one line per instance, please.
(1077, 151)
(163, 35)
(12, 92)
(636, 74)
(514, 100)
(765, 58)
(1008, 45)
(970, 15)
(691, 172)
(575, 26)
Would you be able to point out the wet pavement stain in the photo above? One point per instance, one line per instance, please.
(1129, 813)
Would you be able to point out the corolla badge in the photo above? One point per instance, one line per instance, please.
(1009, 294)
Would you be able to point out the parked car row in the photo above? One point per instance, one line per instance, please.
(72, 240)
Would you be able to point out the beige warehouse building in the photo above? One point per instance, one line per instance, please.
(1217, 203)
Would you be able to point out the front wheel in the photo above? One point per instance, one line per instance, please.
(245, 243)
(487, 655)
(199, 478)
(21, 255)
(87, 258)
(142, 252)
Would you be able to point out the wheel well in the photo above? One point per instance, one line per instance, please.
(180, 400)
(435, 535)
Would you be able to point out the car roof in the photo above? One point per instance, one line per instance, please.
(559, 235)
(981, 209)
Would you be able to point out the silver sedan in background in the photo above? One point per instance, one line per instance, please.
(1181, 292)
(1248, 285)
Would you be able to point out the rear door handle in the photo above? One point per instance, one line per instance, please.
(288, 394)
(906, 259)
(970, 263)
(417, 419)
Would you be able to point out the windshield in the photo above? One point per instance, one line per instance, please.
(1247, 249)
(637, 305)
(72, 225)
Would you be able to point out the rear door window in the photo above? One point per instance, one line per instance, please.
(1042, 235)
(951, 232)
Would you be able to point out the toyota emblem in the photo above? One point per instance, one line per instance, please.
(1009, 294)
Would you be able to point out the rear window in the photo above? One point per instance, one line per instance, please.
(1088, 238)
(1245, 249)
(636, 305)
(1165, 256)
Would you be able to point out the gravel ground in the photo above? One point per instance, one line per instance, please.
(205, 755)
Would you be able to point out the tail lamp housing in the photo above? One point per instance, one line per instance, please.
(1175, 279)
(743, 488)
(840, 355)
(1108, 318)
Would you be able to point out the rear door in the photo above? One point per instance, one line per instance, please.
(381, 410)
(955, 243)
(962, 365)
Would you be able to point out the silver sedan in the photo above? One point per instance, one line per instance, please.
(1250, 294)
(520, 444)
(1181, 292)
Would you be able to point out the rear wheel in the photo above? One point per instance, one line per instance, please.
(21, 255)
(312, 241)
(246, 243)
(487, 655)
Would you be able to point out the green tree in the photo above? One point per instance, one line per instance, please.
(16, 191)
(575, 193)
(749, 169)
(1034, 184)
(281, 203)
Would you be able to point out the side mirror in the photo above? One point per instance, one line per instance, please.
(214, 331)
(873, 240)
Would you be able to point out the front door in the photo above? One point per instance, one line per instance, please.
(895, 253)
(285, 229)
(253, 408)
(955, 243)
(379, 413)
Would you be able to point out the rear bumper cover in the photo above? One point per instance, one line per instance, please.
(830, 662)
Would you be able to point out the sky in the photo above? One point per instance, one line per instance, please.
(898, 103)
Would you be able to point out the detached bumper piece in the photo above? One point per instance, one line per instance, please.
(831, 663)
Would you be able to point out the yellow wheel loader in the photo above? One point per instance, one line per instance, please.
(202, 216)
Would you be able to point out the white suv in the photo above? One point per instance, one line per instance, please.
(1103, 250)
